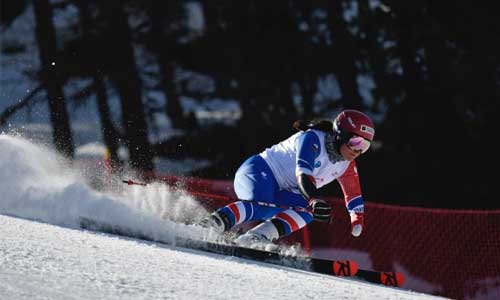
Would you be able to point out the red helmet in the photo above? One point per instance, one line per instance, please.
(349, 122)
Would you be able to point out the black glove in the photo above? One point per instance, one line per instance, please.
(321, 210)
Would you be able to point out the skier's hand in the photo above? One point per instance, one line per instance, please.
(357, 220)
(321, 210)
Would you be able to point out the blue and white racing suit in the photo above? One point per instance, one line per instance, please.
(271, 177)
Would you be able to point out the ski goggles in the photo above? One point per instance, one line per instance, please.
(358, 144)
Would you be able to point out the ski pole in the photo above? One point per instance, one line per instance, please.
(261, 203)
(230, 199)
(131, 182)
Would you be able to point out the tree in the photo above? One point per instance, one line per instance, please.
(163, 40)
(109, 132)
(124, 75)
(46, 38)
(344, 56)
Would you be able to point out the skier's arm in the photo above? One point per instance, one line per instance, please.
(349, 181)
(308, 149)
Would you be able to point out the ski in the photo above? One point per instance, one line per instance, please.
(342, 268)
(388, 278)
(331, 267)
(277, 256)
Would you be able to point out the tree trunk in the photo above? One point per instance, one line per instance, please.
(125, 77)
(173, 108)
(386, 88)
(164, 45)
(109, 132)
(46, 38)
(343, 56)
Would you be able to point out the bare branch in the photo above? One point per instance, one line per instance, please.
(27, 101)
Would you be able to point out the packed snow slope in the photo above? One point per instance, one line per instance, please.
(44, 254)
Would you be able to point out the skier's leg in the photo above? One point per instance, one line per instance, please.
(239, 212)
(283, 223)
(253, 181)
(280, 225)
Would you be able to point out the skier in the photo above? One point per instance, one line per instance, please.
(287, 177)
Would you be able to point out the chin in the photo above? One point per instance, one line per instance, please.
(348, 158)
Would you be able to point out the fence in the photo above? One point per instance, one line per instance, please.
(450, 253)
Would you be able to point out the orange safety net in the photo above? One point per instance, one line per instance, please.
(450, 253)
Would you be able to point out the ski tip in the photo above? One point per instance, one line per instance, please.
(392, 279)
(345, 268)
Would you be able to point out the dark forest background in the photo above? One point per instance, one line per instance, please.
(435, 66)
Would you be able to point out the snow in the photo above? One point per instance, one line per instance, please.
(45, 254)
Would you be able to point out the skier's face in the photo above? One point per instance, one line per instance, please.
(354, 147)
(349, 153)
